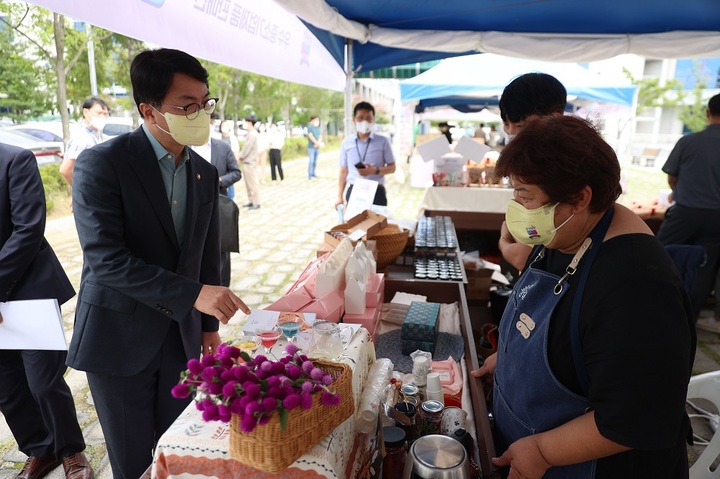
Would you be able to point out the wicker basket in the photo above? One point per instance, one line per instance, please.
(390, 241)
(269, 449)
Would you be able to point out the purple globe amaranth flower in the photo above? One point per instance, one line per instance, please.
(327, 380)
(194, 366)
(237, 407)
(278, 368)
(244, 401)
(180, 391)
(227, 376)
(227, 363)
(329, 399)
(305, 401)
(252, 390)
(261, 374)
(263, 420)
(293, 372)
(274, 382)
(307, 366)
(285, 360)
(317, 374)
(269, 404)
(224, 413)
(210, 413)
(208, 374)
(207, 360)
(291, 348)
(252, 408)
(308, 387)
(241, 373)
(266, 366)
(275, 392)
(291, 402)
(228, 390)
(248, 423)
(214, 388)
(259, 359)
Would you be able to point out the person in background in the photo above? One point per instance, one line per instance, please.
(95, 115)
(228, 136)
(249, 159)
(365, 155)
(263, 139)
(146, 212)
(598, 296)
(314, 144)
(526, 97)
(34, 397)
(219, 154)
(693, 170)
(277, 140)
(445, 130)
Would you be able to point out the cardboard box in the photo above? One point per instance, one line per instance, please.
(478, 285)
(367, 221)
(324, 249)
(421, 322)
(370, 320)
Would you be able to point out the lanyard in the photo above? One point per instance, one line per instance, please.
(362, 160)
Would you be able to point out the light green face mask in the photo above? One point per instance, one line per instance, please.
(532, 226)
(195, 132)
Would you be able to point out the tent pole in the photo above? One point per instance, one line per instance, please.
(349, 76)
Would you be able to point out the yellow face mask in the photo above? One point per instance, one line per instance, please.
(532, 226)
(195, 132)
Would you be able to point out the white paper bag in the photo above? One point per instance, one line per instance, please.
(355, 297)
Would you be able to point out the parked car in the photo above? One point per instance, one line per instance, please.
(50, 131)
(117, 125)
(45, 152)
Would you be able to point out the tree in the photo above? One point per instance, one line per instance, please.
(693, 115)
(652, 93)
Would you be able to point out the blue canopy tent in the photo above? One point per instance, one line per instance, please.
(478, 80)
(373, 34)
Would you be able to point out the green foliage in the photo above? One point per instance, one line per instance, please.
(651, 93)
(54, 185)
(694, 115)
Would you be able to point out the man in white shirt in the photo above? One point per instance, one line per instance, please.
(95, 115)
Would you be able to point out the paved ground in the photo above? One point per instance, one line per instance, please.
(276, 242)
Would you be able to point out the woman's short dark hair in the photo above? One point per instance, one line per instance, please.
(561, 155)
(532, 94)
(152, 73)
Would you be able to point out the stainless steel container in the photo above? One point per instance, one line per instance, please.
(437, 457)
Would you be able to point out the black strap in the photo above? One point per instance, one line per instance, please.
(362, 160)
(597, 236)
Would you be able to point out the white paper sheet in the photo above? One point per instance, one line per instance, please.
(32, 324)
(361, 197)
(261, 319)
(434, 149)
(471, 149)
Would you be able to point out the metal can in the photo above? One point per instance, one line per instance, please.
(430, 418)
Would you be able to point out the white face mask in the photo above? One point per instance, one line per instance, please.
(187, 132)
(509, 137)
(98, 122)
(363, 127)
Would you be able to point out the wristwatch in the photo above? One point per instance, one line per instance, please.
(377, 170)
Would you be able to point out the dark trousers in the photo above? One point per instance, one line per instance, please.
(38, 404)
(695, 226)
(276, 163)
(134, 411)
(380, 195)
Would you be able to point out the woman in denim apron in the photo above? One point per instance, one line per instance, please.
(559, 412)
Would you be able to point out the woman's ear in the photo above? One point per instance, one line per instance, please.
(581, 201)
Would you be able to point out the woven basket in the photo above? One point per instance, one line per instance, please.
(269, 449)
(390, 241)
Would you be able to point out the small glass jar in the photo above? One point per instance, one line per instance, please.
(430, 420)
(408, 410)
(395, 452)
(325, 341)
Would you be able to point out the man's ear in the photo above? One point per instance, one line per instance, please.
(147, 112)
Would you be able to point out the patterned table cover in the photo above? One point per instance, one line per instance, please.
(194, 449)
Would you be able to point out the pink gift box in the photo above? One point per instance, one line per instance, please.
(292, 302)
(330, 307)
(375, 290)
(369, 320)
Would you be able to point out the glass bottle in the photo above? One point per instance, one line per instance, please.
(395, 452)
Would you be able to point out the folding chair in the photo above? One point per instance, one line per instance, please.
(647, 156)
(706, 386)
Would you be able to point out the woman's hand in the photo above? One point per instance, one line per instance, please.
(488, 367)
(524, 458)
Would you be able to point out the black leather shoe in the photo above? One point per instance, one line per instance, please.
(249, 205)
(254, 207)
(38, 467)
(77, 467)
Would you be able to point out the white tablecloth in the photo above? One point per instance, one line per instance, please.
(194, 449)
(467, 199)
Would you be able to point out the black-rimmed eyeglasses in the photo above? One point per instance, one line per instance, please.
(193, 109)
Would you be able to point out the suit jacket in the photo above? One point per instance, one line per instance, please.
(29, 268)
(249, 152)
(222, 158)
(136, 280)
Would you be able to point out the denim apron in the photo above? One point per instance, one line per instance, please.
(527, 397)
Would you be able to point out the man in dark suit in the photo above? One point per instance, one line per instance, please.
(146, 212)
(221, 156)
(34, 397)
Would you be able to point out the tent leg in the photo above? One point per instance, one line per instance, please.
(349, 77)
